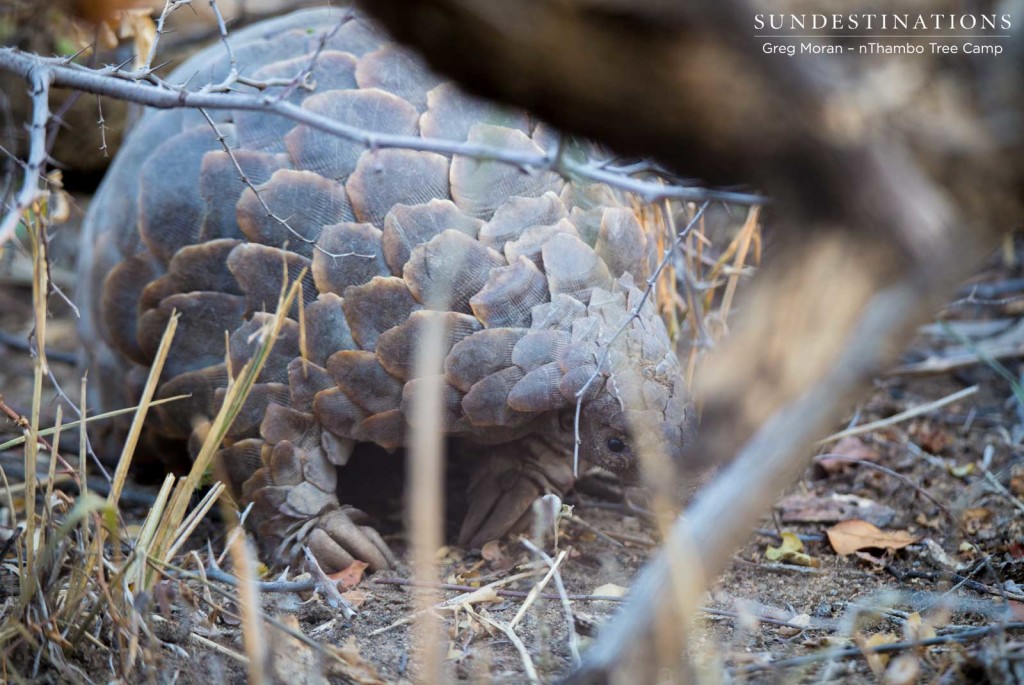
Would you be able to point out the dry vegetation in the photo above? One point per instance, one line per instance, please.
(898, 555)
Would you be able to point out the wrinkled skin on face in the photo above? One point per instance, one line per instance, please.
(614, 439)
(635, 407)
(638, 404)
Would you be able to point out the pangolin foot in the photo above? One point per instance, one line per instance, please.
(502, 490)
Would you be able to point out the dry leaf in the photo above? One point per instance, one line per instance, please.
(938, 555)
(348, 577)
(871, 559)
(968, 551)
(97, 11)
(916, 628)
(610, 590)
(448, 555)
(850, 446)
(877, 661)
(904, 670)
(801, 620)
(356, 598)
(291, 660)
(974, 519)
(491, 551)
(832, 508)
(351, 665)
(929, 437)
(848, 537)
(791, 551)
(962, 471)
(138, 25)
(1017, 481)
(59, 200)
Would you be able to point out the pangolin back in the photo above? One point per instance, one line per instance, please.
(528, 274)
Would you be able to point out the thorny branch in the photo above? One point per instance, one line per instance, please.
(145, 88)
(634, 314)
(169, 8)
(39, 80)
(222, 140)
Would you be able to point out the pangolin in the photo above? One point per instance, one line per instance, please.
(528, 274)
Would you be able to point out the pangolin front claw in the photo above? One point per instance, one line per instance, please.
(502, 491)
(295, 504)
(337, 539)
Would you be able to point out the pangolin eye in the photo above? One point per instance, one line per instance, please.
(616, 445)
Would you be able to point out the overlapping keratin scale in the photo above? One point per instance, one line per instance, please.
(347, 254)
(509, 295)
(396, 70)
(300, 204)
(171, 205)
(376, 307)
(199, 342)
(369, 109)
(397, 348)
(451, 113)
(330, 70)
(192, 269)
(518, 214)
(119, 305)
(481, 186)
(262, 273)
(407, 226)
(385, 178)
(449, 270)
(506, 259)
(479, 355)
(221, 186)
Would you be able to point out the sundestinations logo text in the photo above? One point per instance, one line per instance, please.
(872, 33)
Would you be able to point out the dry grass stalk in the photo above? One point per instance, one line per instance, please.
(123, 464)
(529, 670)
(537, 589)
(253, 637)
(168, 536)
(742, 245)
(911, 413)
(40, 286)
(56, 611)
(144, 540)
(426, 499)
(20, 440)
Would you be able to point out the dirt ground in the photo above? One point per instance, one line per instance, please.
(945, 490)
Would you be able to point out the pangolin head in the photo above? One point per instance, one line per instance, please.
(638, 404)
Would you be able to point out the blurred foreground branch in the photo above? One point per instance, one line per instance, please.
(881, 210)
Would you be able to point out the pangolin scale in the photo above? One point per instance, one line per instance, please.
(527, 274)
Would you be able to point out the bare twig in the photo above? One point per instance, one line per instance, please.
(222, 140)
(727, 507)
(146, 89)
(521, 594)
(902, 416)
(570, 620)
(860, 650)
(530, 671)
(39, 80)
